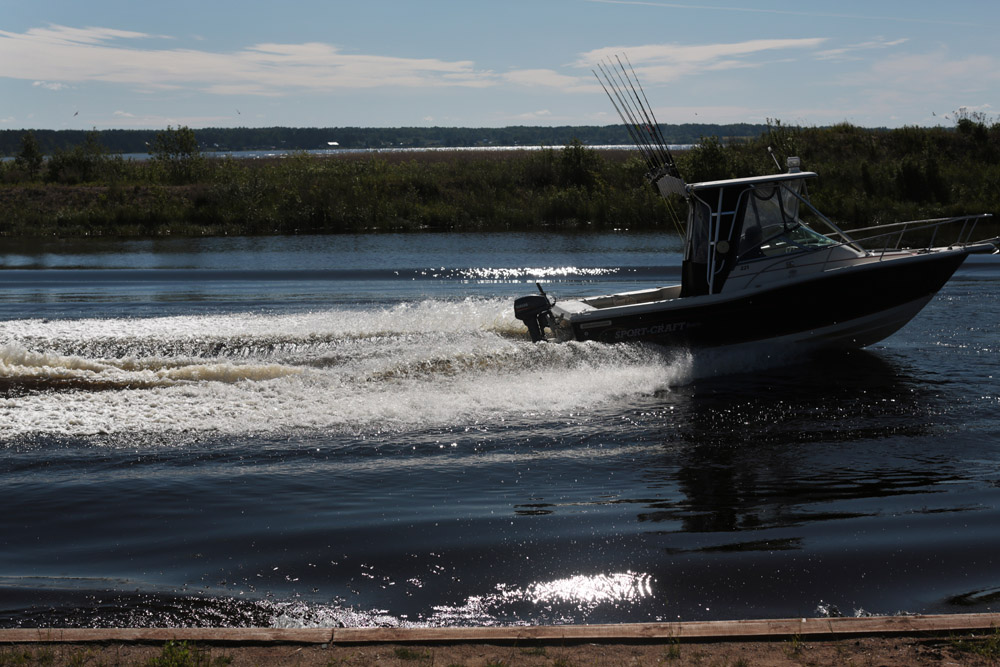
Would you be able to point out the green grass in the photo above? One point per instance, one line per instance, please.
(575, 187)
(182, 654)
(404, 653)
(866, 177)
(173, 654)
(987, 647)
(673, 651)
(17, 657)
(794, 646)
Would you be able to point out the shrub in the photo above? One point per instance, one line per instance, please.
(177, 153)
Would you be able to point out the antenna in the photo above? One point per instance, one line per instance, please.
(770, 151)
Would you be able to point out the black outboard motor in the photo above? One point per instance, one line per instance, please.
(535, 312)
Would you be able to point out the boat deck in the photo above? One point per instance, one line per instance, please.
(633, 298)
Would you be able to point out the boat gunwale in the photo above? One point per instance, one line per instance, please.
(595, 313)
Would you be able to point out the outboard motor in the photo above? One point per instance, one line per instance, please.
(535, 311)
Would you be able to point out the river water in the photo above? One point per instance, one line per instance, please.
(354, 430)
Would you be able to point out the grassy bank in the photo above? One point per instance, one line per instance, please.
(890, 651)
(346, 193)
(869, 177)
(866, 177)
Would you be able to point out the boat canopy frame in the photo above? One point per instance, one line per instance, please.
(715, 241)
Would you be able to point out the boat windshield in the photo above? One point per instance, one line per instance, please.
(771, 224)
(795, 238)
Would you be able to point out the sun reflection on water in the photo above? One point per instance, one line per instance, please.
(558, 600)
(586, 590)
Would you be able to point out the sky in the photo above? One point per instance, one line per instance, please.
(83, 64)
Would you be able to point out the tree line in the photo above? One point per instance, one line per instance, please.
(290, 138)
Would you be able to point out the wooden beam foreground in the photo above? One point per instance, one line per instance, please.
(694, 630)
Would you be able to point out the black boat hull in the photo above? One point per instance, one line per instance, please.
(848, 307)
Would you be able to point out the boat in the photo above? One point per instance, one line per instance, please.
(762, 265)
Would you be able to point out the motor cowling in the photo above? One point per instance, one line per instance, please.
(536, 313)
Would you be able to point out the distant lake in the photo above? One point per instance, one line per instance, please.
(276, 152)
(332, 152)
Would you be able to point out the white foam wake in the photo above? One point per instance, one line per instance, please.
(434, 363)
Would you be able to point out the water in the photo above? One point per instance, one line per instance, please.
(353, 430)
(335, 152)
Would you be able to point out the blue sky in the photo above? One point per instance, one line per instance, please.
(74, 64)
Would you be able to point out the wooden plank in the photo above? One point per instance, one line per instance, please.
(698, 630)
(745, 629)
(239, 635)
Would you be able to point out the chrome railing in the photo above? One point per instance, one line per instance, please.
(918, 234)
(894, 235)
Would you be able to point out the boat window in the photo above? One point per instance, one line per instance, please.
(805, 237)
(697, 233)
(790, 199)
(771, 224)
(763, 218)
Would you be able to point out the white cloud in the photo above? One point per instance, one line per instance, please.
(65, 54)
(848, 52)
(535, 115)
(126, 120)
(660, 63)
(547, 78)
(539, 116)
(49, 85)
(710, 114)
(981, 108)
(927, 73)
(926, 85)
(898, 18)
(57, 34)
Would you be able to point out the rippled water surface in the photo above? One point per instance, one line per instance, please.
(354, 430)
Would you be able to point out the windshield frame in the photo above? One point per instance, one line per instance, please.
(781, 222)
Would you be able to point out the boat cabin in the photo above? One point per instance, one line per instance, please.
(741, 220)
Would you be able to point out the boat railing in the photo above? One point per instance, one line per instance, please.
(890, 239)
(918, 234)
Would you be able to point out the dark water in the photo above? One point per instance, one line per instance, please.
(353, 430)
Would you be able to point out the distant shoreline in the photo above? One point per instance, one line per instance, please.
(866, 177)
(335, 152)
(298, 139)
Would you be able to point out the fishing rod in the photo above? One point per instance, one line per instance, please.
(666, 160)
(635, 115)
(640, 118)
(653, 141)
(629, 99)
(628, 119)
(656, 124)
(628, 127)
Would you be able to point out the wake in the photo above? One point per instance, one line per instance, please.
(415, 365)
